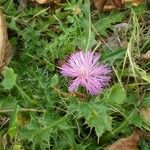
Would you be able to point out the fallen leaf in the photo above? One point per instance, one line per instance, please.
(129, 143)
(99, 4)
(6, 50)
(118, 3)
(108, 5)
(136, 2)
(133, 2)
(40, 1)
(146, 55)
(145, 113)
(3, 37)
(47, 1)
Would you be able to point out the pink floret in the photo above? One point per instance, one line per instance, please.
(85, 70)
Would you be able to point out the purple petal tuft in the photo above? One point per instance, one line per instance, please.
(84, 68)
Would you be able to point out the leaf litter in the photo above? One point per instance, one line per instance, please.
(108, 5)
(98, 113)
(6, 50)
(128, 143)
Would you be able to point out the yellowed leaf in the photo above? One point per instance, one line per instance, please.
(47, 1)
(23, 119)
(146, 55)
(99, 4)
(145, 113)
(133, 2)
(108, 5)
(40, 1)
(129, 143)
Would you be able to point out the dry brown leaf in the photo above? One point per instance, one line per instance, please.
(129, 143)
(40, 1)
(99, 4)
(5, 47)
(118, 3)
(108, 5)
(47, 1)
(133, 2)
(145, 113)
(3, 36)
(146, 55)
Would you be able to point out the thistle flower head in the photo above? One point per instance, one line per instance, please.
(84, 69)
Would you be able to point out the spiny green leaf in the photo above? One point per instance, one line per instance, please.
(17, 147)
(137, 120)
(106, 22)
(117, 95)
(83, 43)
(54, 80)
(95, 114)
(12, 131)
(116, 17)
(102, 25)
(146, 100)
(9, 102)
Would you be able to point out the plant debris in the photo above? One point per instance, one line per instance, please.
(107, 5)
(129, 143)
(47, 1)
(145, 113)
(5, 46)
(77, 80)
(146, 56)
(133, 2)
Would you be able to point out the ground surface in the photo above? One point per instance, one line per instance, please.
(37, 111)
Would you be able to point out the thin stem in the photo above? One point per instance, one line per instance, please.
(23, 94)
(89, 27)
(23, 109)
(55, 123)
(116, 73)
(124, 123)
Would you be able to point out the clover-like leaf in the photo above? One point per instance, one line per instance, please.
(9, 78)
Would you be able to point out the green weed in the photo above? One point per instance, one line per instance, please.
(39, 111)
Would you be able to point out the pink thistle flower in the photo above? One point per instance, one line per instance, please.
(85, 70)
